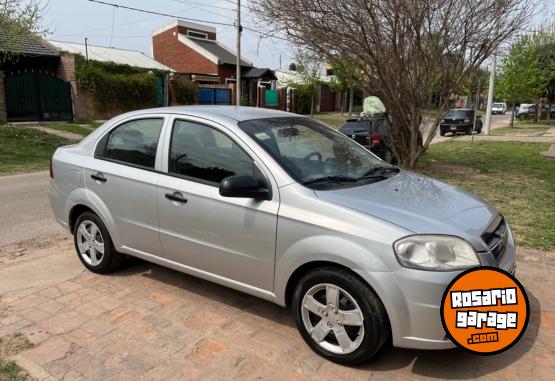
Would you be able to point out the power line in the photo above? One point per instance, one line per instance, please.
(159, 13)
(260, 34)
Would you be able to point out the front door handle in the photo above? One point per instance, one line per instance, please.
(99, 177)
(177, 197)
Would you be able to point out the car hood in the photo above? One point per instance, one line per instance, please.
(419, 204)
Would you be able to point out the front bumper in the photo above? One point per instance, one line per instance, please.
(412, 299)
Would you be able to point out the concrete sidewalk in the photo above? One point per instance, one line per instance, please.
(146, 322)
(524, 139)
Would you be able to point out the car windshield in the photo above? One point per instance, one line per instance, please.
(497, 105)
(459, 114)
(316, 155)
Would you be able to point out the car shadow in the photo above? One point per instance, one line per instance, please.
(449, 364)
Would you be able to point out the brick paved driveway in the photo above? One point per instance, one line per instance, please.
(147, 322)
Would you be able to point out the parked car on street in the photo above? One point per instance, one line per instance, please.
(371, 133)
(526, 110)
(460, 120)
(499, 108)
(281, 207)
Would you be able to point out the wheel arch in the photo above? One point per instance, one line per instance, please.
(82, 200)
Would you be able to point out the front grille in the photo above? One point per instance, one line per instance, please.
(495, 238)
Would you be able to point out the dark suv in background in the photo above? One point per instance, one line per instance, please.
(460, 120)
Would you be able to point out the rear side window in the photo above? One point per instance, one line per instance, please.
(206, 154)
(459, 114)
(133, 142)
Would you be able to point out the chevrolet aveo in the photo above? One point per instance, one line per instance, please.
(281, 207)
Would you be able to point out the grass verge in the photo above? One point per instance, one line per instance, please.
(11, 345)
(522, 128)
(334, 119)
(69, 127)
(26, 149)
(512, 176)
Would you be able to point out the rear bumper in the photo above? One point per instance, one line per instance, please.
(58, 204)
(455, 127)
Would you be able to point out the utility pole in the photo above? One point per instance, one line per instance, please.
(487, 126)
(238, 83)
(86, 49)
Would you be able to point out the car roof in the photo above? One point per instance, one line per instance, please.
(237, 113)
(461, 109)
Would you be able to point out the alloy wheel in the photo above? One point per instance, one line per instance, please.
(90, 243)
(333, 318)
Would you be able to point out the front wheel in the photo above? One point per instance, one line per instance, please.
(339, 316)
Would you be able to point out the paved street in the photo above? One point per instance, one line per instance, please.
(497, 121)
(25, 212)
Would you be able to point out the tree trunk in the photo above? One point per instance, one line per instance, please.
(548, 120)
(312, 106)
(513, 116)
(351, 96)
(342, 103)
(538, 109)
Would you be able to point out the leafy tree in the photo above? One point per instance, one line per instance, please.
(404, 48)
(309, 66)
(346, 78)
(528, 71)
(18, 19)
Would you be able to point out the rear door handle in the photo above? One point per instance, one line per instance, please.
(177, 197)
(99, 177)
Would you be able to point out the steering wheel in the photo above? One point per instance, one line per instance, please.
(314, 153)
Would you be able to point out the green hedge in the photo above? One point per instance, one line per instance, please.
(117, 87)
(185, 90)
(304, 95)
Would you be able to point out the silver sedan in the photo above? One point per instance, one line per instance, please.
(281, 207)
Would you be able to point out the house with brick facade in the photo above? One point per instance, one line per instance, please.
(193, 50)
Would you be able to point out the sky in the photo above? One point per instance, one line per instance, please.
(73, 20)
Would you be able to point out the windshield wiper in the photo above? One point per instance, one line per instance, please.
(379, 172)
(331, 179)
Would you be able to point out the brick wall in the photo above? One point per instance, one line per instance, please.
(66, 71)
(227, 71)
(168, 50)
(3, 110)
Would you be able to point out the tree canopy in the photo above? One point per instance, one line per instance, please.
(405, 49)
(18, 18)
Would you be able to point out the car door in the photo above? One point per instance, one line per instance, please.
(122, 176)
(232, 240)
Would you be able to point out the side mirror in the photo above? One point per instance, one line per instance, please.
(244, 186)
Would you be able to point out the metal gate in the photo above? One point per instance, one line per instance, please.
(31, 97)
(214, 96)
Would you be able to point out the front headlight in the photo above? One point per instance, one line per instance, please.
(435, 252)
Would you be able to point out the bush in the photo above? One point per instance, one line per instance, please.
(185, 90)
(304, 94)
(117, 87)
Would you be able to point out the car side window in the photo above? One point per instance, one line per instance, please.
(134, 142)
(204, 153)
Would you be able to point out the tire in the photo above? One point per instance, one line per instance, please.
(441, 133)
(468, 131)
(99, 263)
(368, 327)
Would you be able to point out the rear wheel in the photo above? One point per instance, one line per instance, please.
(339, 316)
(94, 244)
(441, 133)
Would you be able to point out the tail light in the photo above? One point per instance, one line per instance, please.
(376, 138)
(51, 171)
(468, 120)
